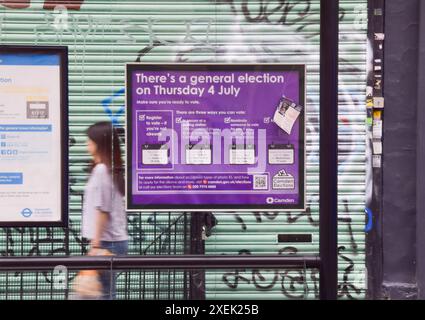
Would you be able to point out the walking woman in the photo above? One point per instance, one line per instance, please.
(104, 220)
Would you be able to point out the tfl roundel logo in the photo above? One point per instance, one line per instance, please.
(26, 212)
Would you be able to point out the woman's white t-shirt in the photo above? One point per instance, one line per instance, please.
(101, 194)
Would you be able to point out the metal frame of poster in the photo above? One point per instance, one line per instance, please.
(156, 153)
(48, 52)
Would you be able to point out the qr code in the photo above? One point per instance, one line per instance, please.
(260, 182)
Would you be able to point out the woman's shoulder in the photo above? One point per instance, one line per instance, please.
(100, 169)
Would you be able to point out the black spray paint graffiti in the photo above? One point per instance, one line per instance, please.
(150, 236)
(346, 288)
(281, 12)
(39, 242)
(289, 282)
(297, 278)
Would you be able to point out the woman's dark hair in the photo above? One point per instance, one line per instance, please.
(108, 147)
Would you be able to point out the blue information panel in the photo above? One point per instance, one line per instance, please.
(33, 136)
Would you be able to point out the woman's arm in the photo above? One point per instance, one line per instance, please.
(101, 218)
(102, 202)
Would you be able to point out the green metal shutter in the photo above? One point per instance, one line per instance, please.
(103, 35)
(262, 34)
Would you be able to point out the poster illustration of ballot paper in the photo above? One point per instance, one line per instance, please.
(215, 137)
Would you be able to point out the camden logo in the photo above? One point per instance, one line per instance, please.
(26, 212)
(270, 200)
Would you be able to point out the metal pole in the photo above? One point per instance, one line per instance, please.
(158, 262)
(420, 158)
(329, 19)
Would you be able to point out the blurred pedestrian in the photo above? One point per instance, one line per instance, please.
(104, 220)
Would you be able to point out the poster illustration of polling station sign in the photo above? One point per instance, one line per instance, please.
(204, 137)
(33, 136)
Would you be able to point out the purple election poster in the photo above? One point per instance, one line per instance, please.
(215, 137)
